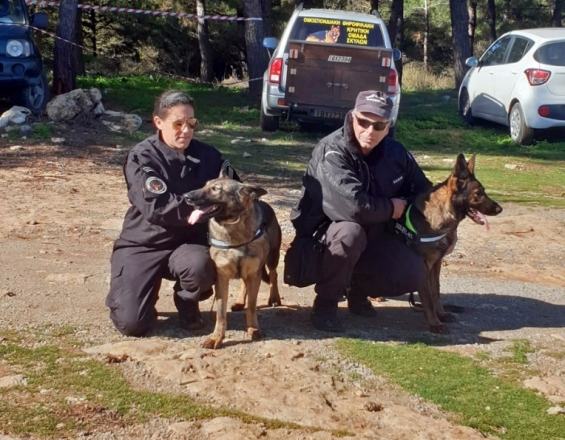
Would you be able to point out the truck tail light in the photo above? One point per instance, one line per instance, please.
(275, 71)
(392, 82)
(537, 77)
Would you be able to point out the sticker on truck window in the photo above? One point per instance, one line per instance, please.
(332, 31)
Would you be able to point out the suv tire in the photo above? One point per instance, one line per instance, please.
(268, 123)
(35, 95)
(519, 131)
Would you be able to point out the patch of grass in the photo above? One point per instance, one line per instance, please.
(520, 349)
(42, 131)
(428, 125)
(58, 372)
(459, 385)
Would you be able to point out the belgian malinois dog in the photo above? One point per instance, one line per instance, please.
(245, 240)
(430, 224)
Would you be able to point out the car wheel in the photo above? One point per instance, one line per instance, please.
(465, 108)
(519, 131)
(35, 95)
(268, 123)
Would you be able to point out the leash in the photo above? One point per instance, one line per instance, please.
(219, 244)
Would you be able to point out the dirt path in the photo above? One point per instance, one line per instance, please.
(62, 209)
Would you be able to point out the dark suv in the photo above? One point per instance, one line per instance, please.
(21, 70)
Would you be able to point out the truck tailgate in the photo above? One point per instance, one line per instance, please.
(331, 75)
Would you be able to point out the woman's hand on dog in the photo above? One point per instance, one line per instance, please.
(399, 205)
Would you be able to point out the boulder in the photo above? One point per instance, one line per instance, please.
(16, 116)
(68, 106)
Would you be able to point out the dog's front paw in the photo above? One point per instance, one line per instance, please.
(237, 307)
(212, 343)
(254, 334)
(439, 329)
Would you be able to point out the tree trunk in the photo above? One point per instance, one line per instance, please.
(426, 32)
(557, 13)
(374, 5)
(267, 8)
(64, 74)
(491, 12)
(206, 56)
(472, 22)
(92, 27)
(396, 30)
(255, 53)
(460, 37)
(78, 59)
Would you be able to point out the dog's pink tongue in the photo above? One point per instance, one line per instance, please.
(484, 219)
(195, 216)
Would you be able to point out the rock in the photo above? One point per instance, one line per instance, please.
(25, 129)
(16, 115)
(16, 147)
(95, 95)
(14, 380)
(57, 140)
(246, 154)
(69, 105)
(555, 410)
(553, 387)
(121, 122)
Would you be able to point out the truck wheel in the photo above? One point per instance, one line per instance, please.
(268, 123)
(519, 131)
(35, 95)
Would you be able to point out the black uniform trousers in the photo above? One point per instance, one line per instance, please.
(367, 262)
(136, 275)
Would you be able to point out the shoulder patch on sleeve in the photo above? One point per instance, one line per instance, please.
(155, 185)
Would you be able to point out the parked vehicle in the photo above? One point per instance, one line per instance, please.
(519, 81)
(21, 69)
(323, 59)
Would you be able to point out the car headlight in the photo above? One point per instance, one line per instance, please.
(18, 48)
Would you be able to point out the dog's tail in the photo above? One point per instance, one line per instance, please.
(265, 275)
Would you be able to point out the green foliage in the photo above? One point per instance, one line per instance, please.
(459, 385)
(428, 125)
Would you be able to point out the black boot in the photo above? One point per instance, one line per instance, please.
(324, 316)
(361, 306)
(189, 314)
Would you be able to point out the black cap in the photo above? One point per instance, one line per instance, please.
(373, 101)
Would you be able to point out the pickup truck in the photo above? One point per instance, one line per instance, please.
(324, 58)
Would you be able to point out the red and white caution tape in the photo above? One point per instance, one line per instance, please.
(148, 12)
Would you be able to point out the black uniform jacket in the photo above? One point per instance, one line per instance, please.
(157, 176)
(340, 184)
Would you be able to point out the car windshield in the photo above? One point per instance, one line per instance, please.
(552, 54)
(331, 31)
(12, 11)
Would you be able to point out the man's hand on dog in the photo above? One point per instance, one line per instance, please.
(399, 205)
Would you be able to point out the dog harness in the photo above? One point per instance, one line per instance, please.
(409, 232)
(225, 245)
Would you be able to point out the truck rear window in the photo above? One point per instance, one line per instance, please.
(552, 54)
(332, 31)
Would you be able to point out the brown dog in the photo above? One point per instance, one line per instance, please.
(245, 239)
(430, 226)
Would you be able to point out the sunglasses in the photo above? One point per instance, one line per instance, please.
(191, 123)
(366, 123)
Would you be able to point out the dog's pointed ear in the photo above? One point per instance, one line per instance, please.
(471, 164)
(460, 167)
(227, 170)
(253, 191)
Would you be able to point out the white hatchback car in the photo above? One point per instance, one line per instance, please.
(519, 81)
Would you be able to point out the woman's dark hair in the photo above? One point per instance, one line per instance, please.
(169, 99)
